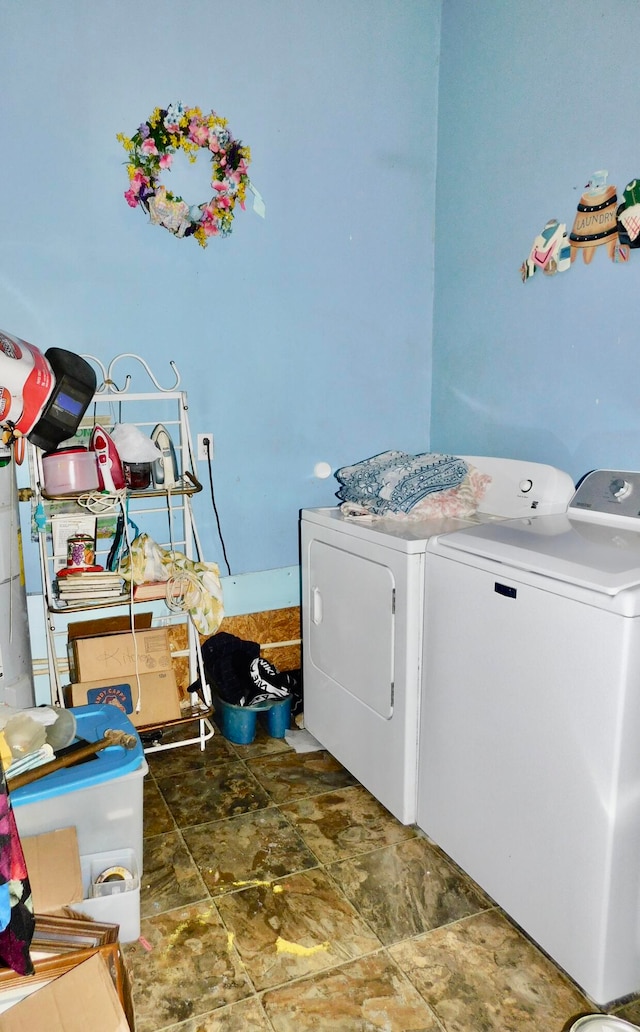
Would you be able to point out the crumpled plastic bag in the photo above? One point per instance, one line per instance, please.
(132, 445)
(197, 584)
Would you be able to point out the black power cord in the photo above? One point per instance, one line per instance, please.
(207, 446)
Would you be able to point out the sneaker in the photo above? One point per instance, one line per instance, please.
(267, 679)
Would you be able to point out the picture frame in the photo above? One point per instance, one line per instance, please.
(56, 934)
(59, 944)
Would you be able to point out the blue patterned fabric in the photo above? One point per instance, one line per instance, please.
(395, 481)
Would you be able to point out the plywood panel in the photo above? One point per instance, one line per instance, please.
(277, 631)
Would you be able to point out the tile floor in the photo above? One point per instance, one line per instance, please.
(279, 896)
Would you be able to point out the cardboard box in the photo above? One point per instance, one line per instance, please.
(97, 628)
(72, 989)
(54, 869)
(159, 694)
(82, 998)
(107, 625)
(120, 655)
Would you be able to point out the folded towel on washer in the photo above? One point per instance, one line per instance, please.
(397, 484)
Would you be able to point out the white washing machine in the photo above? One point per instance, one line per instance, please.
(363, 622)
(529, 768)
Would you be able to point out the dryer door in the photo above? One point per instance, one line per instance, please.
(361, 644)
(351, 605)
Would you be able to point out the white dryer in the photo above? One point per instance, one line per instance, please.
(363, 625)
(529, 770)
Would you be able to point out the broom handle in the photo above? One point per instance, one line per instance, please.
(110, 738)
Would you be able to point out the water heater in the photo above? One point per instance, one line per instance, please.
(16, 668)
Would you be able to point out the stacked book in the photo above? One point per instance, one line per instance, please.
(150, 590)
(95, 587)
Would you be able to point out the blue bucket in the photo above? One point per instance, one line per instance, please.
(238, 723)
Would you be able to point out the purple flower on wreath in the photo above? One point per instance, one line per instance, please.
(143, 131)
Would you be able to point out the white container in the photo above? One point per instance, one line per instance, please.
(70, 470)
(601, 1023)
(115, 902)
(103, 814)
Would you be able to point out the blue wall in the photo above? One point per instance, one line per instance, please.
(301, 338)
(306, 336)
(534, 98)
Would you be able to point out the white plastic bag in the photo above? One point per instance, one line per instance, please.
(133, 445)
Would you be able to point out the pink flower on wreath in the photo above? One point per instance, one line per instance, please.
(136, 184)
(214, 144)
(198, 133)
(148, 147)
(139, 180)
(223, 199)
(166, 160)
(208, 221)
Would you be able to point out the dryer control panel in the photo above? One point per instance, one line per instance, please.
(607, 493)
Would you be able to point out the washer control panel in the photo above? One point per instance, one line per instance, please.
(608, 492)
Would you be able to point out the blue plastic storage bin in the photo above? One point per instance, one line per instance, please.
(101, 797)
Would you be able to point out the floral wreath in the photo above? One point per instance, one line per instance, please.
(151, 150)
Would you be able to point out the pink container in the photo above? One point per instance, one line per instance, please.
(70, 470)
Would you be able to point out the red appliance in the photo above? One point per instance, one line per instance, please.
(42, 397)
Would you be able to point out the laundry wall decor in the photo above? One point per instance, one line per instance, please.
(600, 221)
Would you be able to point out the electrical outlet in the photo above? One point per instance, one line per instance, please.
(205, 452)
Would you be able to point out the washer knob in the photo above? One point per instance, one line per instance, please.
(525, 485)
